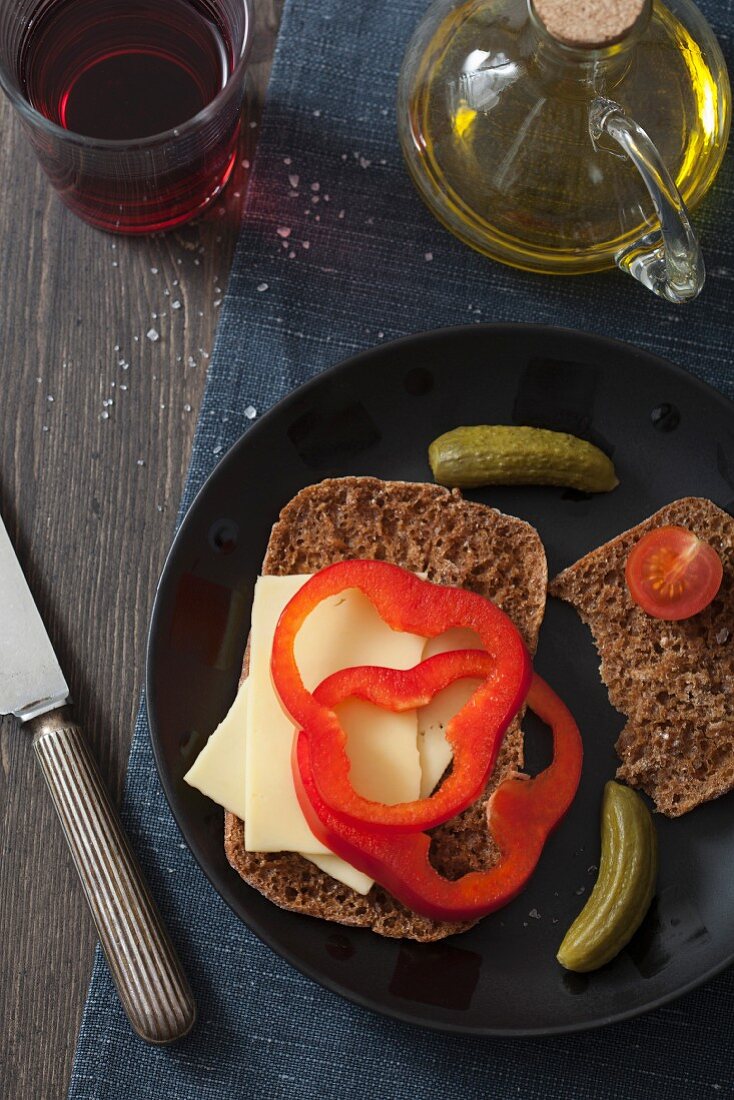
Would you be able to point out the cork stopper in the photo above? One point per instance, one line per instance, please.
(590, 24)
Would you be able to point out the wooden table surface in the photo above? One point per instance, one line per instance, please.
(96, 427)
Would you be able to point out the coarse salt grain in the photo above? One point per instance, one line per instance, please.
(175, 304)
(153, 334)
(294, 180)
(283, 231)
(261, 287)
(428, 256)
(250, 412)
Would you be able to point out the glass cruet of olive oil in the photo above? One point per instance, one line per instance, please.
(565, 138)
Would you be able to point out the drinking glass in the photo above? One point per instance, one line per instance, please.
(130, 184)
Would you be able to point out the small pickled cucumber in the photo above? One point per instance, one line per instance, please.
(623, 891)
(504, 454)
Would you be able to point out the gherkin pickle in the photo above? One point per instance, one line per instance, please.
(625, 886)
(505, 454)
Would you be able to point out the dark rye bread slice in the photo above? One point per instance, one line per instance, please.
(673, 681)
(429, 530)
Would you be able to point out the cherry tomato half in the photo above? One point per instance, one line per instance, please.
(672, 574)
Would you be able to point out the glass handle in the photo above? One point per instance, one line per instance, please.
(667, 260)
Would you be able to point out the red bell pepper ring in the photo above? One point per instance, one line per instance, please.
(407, 603)
(520, 815)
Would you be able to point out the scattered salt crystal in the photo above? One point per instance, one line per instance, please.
(344, 156)
(291, 255)
(261, 287)
(187, 408)
(534, 914)
(592, 869)
(116, 347)
(316, 186)
(245, 163)
(175, 304)
(315, 199)
(159, 507)
(136, 339)
(217, 302)
(153, 335)
(122, 386)
(191, 362)
(284, 244)
(49, 398)
(107, 402)
(581, 890)
(327, 198)
(175, 282)
(364, 163)
(305, 244)
(115, 263)
(287, 161)
(380, 335)
(317, 218)
(204, 353)
(104, 416)
(167, 293)
(163, 404)
(250, 412)
(317, 114)
(154, 270)
(283, 231)
(253, 126)
(154, 316)
(125, 366)
(216, 450)
(722, 636)
(341, 214)
(294, 194)
(39, 380)
(428, 256)
(294, 180)
(44, 428)
(141, 462)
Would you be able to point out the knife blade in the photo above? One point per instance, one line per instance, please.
(31, 680)
(152, 985)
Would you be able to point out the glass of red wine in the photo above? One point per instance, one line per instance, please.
(132, 106)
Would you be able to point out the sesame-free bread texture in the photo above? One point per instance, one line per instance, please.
(673, 681)
(430, 530)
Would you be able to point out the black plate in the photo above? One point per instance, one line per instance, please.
(670, 436)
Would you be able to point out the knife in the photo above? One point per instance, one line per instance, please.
(152, 985)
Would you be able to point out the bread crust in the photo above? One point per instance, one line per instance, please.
(428, 529)
(673, 681)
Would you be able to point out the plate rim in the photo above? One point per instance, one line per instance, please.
(256, 926)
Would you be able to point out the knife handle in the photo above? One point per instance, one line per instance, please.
(152, 986)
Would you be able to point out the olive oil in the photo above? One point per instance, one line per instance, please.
(495, 128)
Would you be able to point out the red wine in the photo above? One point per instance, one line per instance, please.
(118, 70)
(124, 71)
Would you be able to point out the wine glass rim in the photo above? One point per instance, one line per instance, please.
(38, 120)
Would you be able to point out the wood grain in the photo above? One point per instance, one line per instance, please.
(90, 502)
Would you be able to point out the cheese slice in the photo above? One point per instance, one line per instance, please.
(219, 769)
(342, 631)
(219, 773)
(434, 750)
(342, 871)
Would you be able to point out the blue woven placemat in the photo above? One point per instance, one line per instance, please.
(365, 262)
